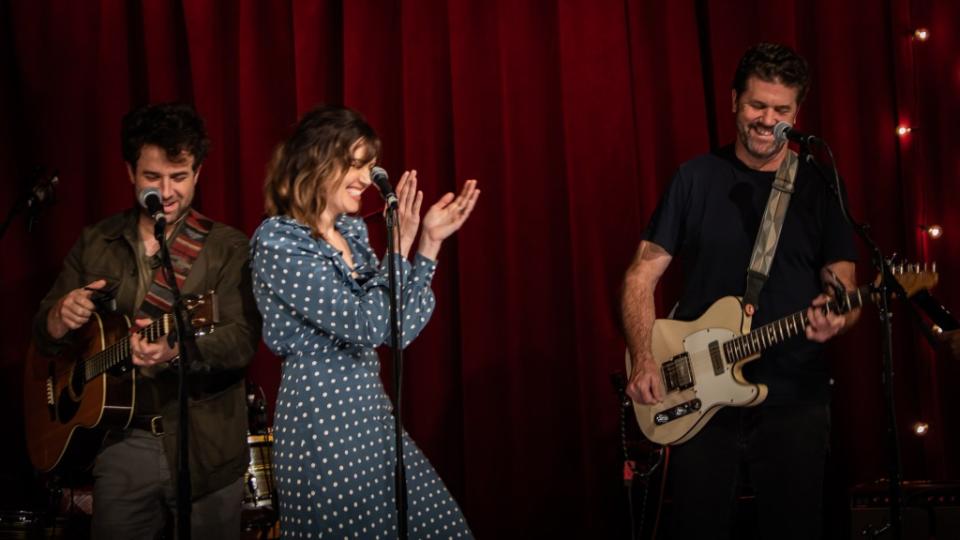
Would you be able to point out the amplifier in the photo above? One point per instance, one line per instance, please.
(930, 511)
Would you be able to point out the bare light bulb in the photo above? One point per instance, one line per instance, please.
(933, 230)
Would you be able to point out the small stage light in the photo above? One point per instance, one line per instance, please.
(934, 231)
(920, 429)
(921, 34)
(903, 130)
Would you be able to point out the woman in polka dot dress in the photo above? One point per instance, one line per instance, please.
(325, 304)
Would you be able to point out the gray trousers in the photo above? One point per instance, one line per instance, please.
(133, 494)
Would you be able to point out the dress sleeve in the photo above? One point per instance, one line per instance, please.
(418, 298)
(289, 266)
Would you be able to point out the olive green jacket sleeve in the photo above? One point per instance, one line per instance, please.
(71, 277)
(233, 342)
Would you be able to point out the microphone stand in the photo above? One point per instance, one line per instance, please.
(14, 210)
(185, 338)
(400, 476)
(888, 284)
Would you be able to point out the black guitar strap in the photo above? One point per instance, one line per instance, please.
(769, 234)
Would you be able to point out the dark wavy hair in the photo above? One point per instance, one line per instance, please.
(319, 151)
(773, 62)
(175, 127)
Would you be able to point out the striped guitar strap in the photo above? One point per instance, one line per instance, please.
(184, 250)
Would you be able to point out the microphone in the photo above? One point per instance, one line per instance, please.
(379, 177)
(784, 131)
(150, 199)
(42, 191)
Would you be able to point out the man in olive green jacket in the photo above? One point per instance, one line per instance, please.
(135, 470)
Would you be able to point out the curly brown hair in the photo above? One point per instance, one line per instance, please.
(773, 62)
(174, 127)
(319, 151)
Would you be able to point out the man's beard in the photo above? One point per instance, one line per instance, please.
(750, 143)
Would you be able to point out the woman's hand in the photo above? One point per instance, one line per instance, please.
(408, 211)
(445, 217)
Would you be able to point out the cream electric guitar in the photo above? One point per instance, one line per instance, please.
(701, 362)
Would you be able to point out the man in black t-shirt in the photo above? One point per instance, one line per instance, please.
(709, 218)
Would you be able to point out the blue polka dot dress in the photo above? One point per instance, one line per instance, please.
(333, 452)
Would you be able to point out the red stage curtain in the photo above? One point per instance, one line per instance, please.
(572, 114)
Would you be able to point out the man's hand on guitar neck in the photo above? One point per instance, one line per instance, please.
(645, 385)
(837, 277)
(73, 310)
(146, 354)
(823, 324)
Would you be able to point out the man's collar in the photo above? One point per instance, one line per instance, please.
(118, 228)
(128, 225)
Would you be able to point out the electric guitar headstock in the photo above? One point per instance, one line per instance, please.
(913, 277)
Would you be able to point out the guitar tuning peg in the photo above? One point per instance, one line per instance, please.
(924, 266)
(934, 268)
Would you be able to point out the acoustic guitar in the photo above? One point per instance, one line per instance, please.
(70, 400)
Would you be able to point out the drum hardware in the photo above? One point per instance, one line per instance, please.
(259, 506)
(28, 524)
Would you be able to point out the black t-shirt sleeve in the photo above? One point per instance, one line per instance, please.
(667, 226)
(838, 241)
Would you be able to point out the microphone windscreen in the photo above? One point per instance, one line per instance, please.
(380, 178)
(780, 131)
(145, 194)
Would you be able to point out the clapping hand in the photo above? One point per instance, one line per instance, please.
(408, 210)
(445, 217)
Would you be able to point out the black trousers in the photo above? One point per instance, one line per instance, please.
(780, 451)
